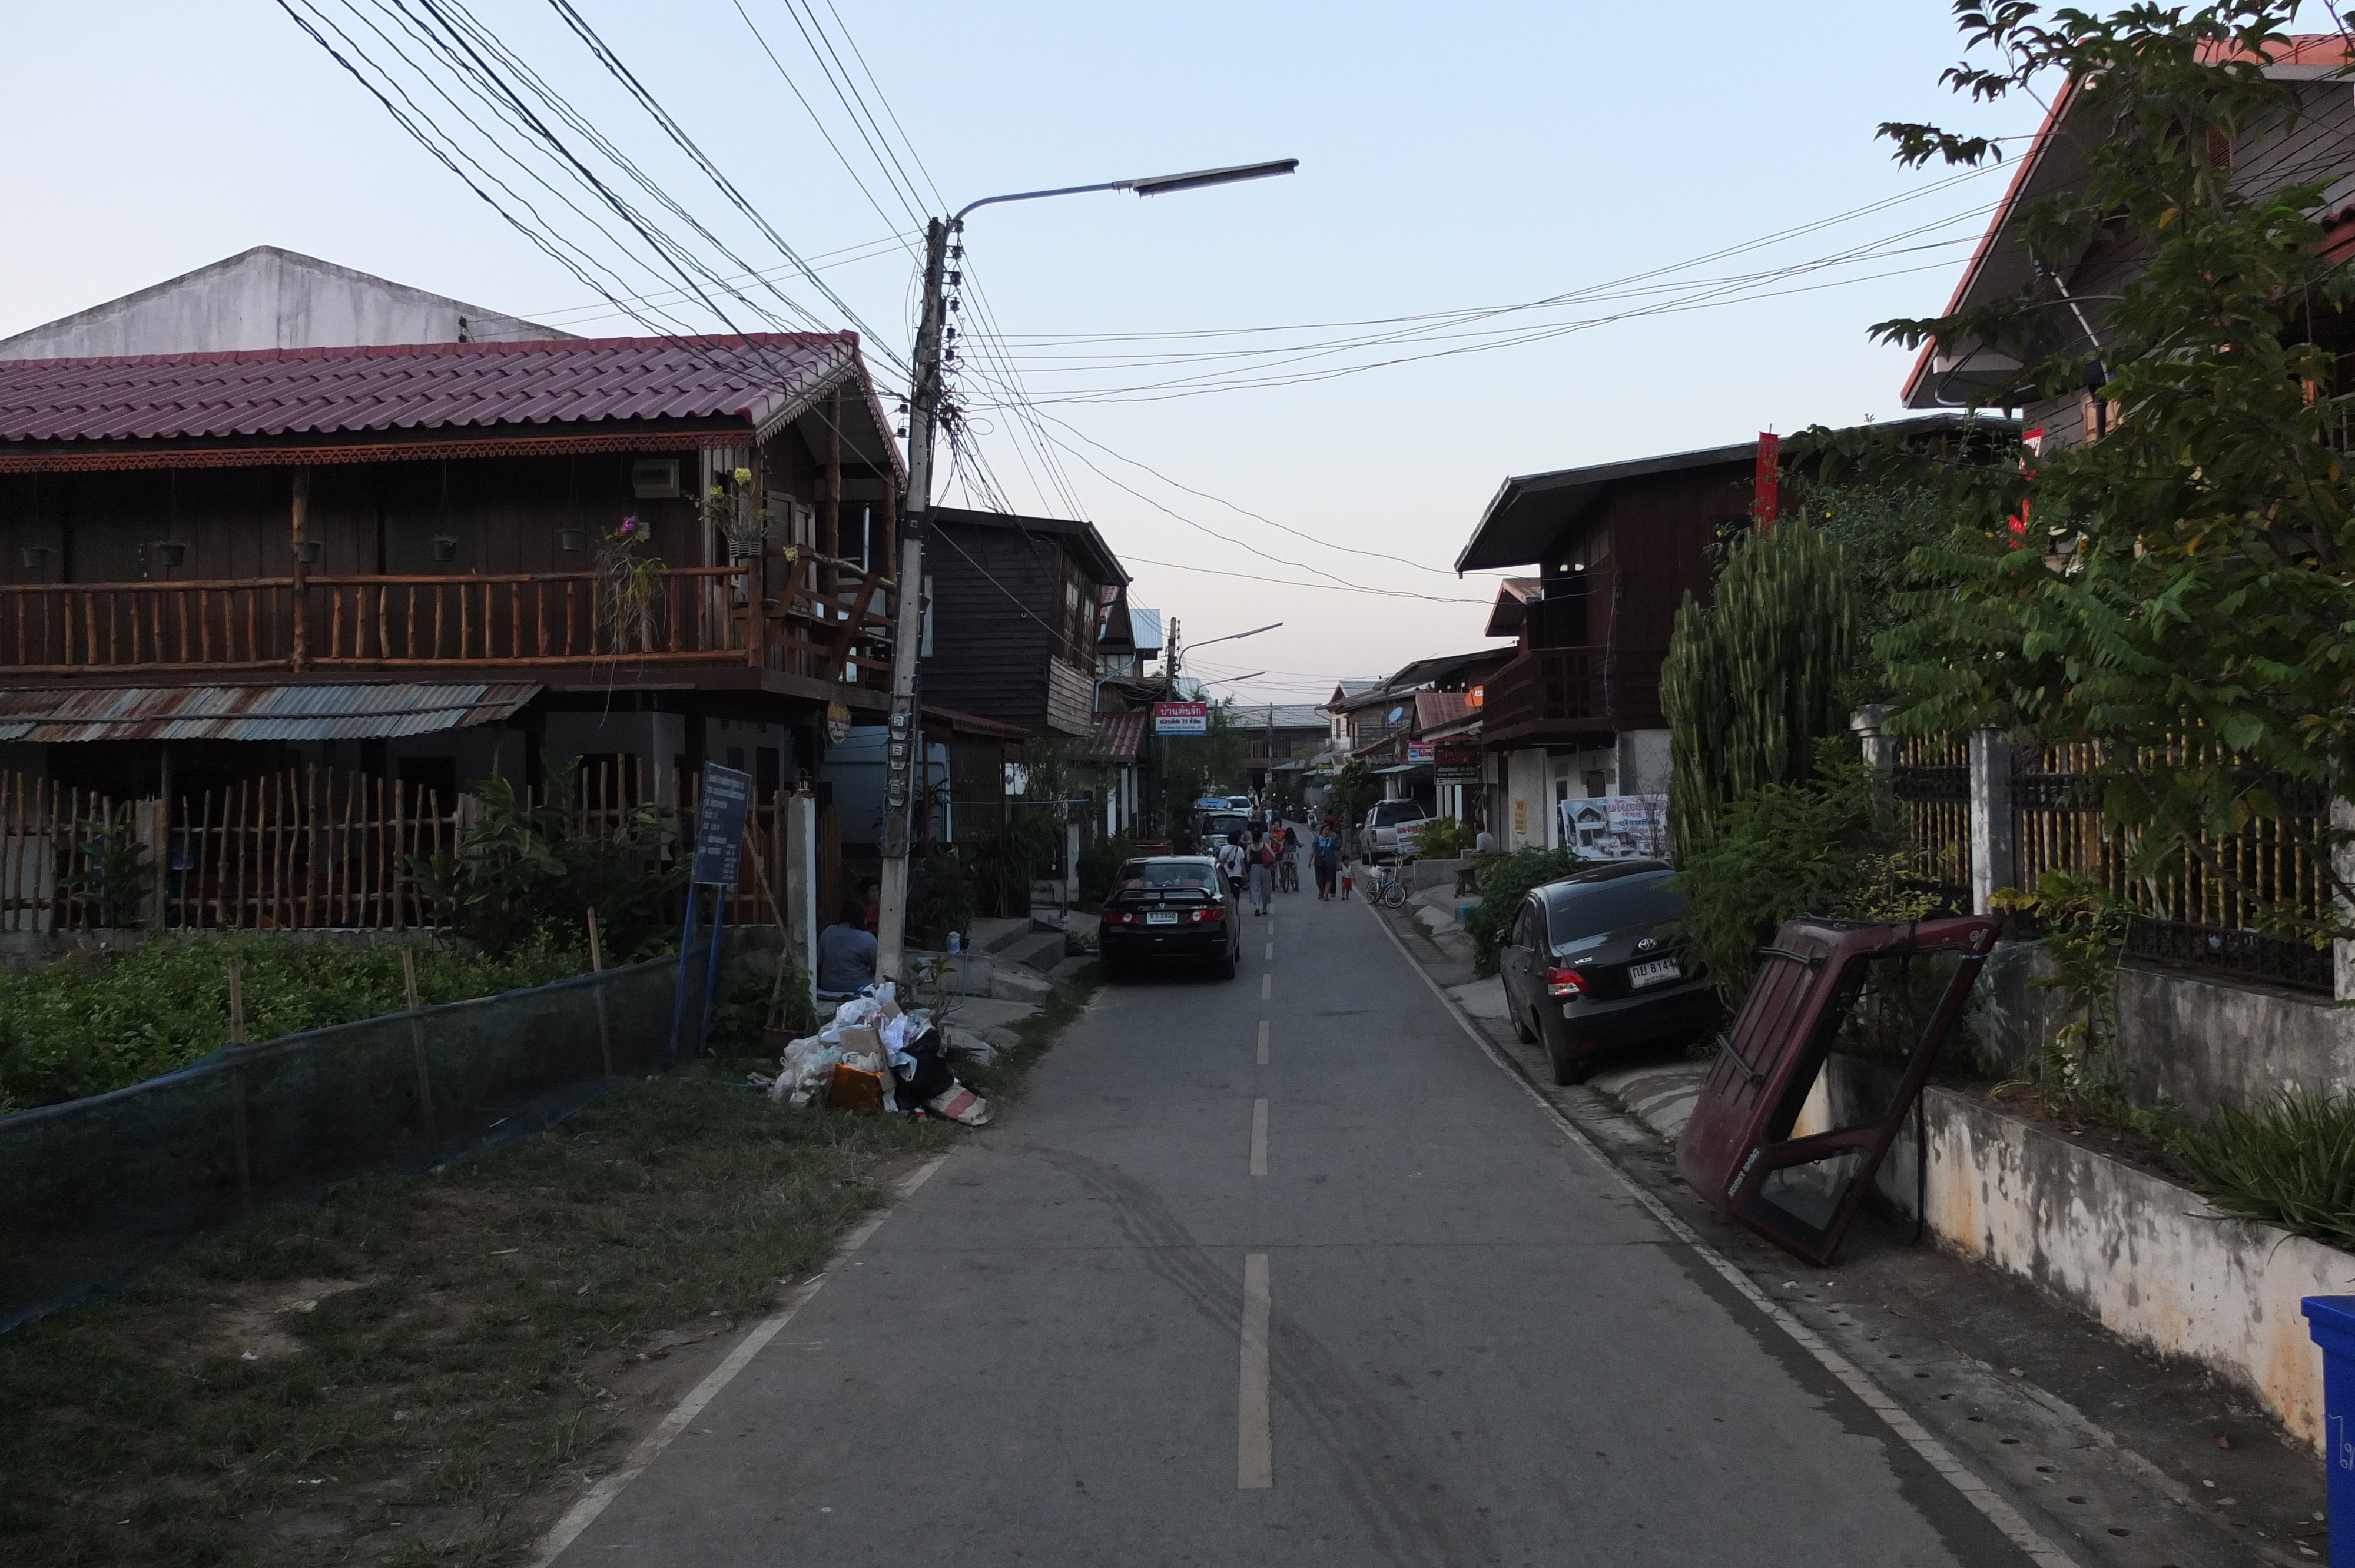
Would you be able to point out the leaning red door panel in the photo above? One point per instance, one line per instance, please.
(1815, 1076)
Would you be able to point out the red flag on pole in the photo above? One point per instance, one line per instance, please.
(1770, 473)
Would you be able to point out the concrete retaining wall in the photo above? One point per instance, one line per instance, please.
(2154, 1262)
(2200, 1041)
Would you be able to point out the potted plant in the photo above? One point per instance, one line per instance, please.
(572, 540)
(445, 546)
(169, 552)
(36, 557)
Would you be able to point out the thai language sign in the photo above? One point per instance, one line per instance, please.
(1181, 718)
(719, 824)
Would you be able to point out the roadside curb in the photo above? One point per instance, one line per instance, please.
(1980, 1494)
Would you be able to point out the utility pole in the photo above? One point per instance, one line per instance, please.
(900, 761)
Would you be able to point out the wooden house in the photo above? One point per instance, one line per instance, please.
(427, 561)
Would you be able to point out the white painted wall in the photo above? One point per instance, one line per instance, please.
(268, 298)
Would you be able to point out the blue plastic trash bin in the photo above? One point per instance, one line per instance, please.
(2331, 1321)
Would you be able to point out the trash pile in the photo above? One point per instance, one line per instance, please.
(845, 1064)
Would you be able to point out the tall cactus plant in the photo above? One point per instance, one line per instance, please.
(1752, 678)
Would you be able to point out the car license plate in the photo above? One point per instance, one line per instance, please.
(1653, 973)
(1161, 917)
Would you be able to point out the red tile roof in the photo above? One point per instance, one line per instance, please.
(1117, 735)
(281, 392)
(1432, 709)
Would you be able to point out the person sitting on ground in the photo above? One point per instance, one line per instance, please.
(845, 953)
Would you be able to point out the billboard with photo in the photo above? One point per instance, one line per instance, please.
(1617, 827)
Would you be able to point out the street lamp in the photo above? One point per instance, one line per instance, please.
(1169, 665)
(923, 411)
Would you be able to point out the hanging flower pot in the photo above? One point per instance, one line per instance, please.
(573, 539)
(36, 557)
(306, 551)
(169, 553)
(446, 548)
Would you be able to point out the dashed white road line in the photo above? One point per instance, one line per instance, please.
(1254, 1443)
(1266, 985)
(1259, 1137)
(2038, 1547)
(1262, 1041)
(598, 1498)
(1270, 954)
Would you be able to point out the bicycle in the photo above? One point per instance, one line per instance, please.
(1287, 873)
(1388, 883)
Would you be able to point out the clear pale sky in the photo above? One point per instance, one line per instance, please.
(1451, 157)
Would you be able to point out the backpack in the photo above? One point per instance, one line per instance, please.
(1267, 853)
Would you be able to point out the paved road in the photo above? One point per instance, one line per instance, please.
(1356, 1302)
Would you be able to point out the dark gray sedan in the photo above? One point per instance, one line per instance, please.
(1587, 966)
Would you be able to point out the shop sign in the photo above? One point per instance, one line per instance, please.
(1418, 751)
(1458, 761)
(1181, 718)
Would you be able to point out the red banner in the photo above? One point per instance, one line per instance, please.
(1770, 480)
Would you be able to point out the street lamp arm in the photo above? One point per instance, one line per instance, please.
(1230, 636)
(1151, 185)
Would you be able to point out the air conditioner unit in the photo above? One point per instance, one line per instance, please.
(654, 479)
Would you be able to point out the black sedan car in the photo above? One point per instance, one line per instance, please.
(1586, 967)
(1169, 907)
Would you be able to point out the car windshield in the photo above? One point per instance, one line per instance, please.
(1390, 813)
(1594, 908)
(1166, 873)
(1223, 827)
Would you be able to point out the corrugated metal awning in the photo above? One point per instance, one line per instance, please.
(372, 712)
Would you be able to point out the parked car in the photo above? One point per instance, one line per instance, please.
(1587, 969)
(1390, 825)
(1170, 909)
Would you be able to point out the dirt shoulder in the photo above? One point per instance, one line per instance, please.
(426, 1369)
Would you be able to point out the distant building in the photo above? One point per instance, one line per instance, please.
(268, 298)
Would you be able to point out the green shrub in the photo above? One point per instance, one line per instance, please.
(73, 1030)
(2290, 1163)
(1443, 838)
(528, 864)
(1503, 882)
(1754, 677)
(1100, 862)
(1828, 847)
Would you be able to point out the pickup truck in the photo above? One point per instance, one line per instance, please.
(1390, 825)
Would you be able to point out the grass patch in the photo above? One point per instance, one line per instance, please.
(428, 1354)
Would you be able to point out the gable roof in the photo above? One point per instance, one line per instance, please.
(1079, 538)
(378, 403)
(266, 298)
(2055, 160)
(1530, 511)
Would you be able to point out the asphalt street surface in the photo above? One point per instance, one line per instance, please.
(1282, 1268)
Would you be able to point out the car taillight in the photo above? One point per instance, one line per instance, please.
(1216, 912)
(1565, 982)
(1121, 917)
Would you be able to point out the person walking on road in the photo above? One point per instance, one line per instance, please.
(1325, 854)
(1262, 872)
(1232, 859)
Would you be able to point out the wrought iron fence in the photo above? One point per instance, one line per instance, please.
(1931, 780)
(2209, 911)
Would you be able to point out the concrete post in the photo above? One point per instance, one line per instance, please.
(1880, 747)
(801, 879)
(1995, 819)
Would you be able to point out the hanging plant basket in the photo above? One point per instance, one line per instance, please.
(169, 553)
(445, 549)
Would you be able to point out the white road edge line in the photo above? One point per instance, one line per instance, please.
(598, 1498)
(1262, 1041)
(1254, 1443)
(2038, 1547)
(1259, 1137)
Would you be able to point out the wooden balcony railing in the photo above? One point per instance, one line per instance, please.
(827, 620)
(1566, 691)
